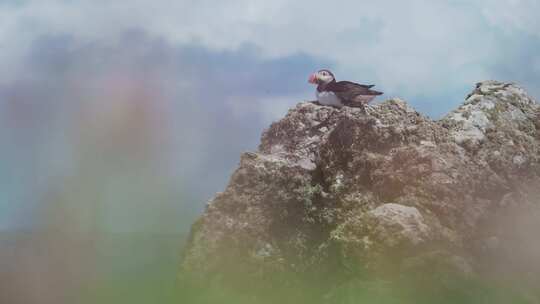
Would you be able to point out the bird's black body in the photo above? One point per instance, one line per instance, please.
(350, 93)
(341, 93)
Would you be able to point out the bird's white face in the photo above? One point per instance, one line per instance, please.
(322, 76)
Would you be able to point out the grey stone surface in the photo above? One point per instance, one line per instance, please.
(378, 191)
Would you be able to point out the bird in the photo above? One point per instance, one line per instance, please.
(341, 93)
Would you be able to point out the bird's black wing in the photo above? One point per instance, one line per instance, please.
(345, 83)
(347, 91)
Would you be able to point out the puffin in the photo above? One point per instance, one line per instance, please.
(341, 93)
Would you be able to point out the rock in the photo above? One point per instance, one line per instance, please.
(401, 221)
(378, 192)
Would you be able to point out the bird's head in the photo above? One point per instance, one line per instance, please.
(321, 77)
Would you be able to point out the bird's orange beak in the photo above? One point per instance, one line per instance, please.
(312, 78)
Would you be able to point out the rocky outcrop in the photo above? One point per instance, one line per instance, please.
(337, 195)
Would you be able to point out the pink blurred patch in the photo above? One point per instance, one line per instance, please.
(312, 78)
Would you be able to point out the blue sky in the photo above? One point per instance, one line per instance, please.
(210, 76)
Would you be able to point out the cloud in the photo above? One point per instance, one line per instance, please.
(402, 46)
(513, 16)
(521, 63)
(133, 110)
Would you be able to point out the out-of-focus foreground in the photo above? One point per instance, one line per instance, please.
(103, 214)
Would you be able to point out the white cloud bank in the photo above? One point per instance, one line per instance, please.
(402, 46)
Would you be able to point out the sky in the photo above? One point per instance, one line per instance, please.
(130, 116)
